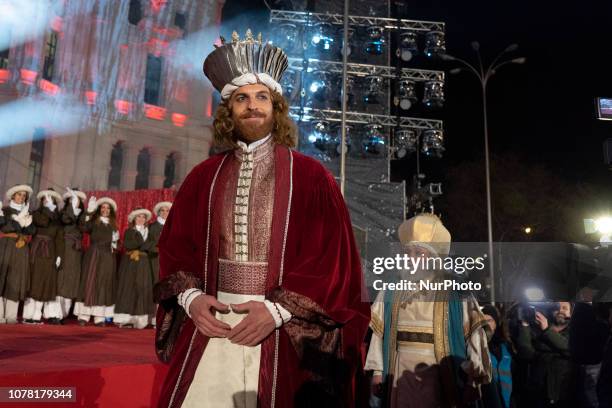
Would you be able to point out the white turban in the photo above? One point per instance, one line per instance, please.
(250, 79)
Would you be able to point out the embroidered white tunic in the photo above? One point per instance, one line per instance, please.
(228, 374)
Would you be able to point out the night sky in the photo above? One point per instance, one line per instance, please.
(542, 112)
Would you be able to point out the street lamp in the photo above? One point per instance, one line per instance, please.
(484, 74)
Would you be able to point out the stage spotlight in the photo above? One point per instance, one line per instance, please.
(435, 44)
(408, 46)
(374, 142)
(288, 82)
(603, 225)
(407, 94)
(433, 95)
(323, 36)
(320, 135)
(349, 49)
(433, 143)
(287, 36)
(534, 294)
(319, 85)
(336, 141)
(375, 43)
(405, 142)
(373, 93)
(350, 91)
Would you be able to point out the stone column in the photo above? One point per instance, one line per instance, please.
(129, 169)
(158, 164)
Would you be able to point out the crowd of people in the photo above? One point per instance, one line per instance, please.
(45, 266)
(555, 354)
(522, 354)
(550, 354)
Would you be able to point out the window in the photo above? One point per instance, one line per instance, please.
(143, 166)
(116, 164)
(135, 12)
(180, 20)
(170, 170)
(50, 50)
(37, 154)
(153, 80)
(4, 54)
(4, 58)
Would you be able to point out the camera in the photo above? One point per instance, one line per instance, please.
(527, 311)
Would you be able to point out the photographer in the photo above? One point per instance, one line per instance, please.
(544, 346)
(589, 331)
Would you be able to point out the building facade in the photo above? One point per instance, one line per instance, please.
(125, 83)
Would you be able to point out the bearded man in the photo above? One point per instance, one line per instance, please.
(260, 278)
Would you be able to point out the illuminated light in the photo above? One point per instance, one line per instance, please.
(408, 45)
(375, 140)
(178, 119)
(323, 36)
(123, 106)
(603, 225)
(157, 46)
(528, 230)
(405, 142)
(167, 32)
(48, 87)
(156, 5)
(154, 112)
(208, 108)
(5, 75)
(91, 97)
(433, 94)
(433, 143)
(27, 76)
(375, 44)
(407, 94)
(57, 24)
(534, 294)
(435, 44)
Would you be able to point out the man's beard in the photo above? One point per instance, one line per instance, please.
(252, 132)
(560, 319)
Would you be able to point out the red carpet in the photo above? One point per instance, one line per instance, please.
(109, 367)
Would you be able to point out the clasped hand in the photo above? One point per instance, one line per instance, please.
(255, 327)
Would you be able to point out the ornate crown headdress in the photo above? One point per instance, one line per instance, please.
(245, 62)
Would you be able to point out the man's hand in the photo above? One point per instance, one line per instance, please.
(541, 320)
(255, 327)
(377, 385)
(202, 309)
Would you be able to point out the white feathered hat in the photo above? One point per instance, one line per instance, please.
(106, 200)
(51, 193)
(15, 189)
(160, 205)
(245, 62)
(138, 212)
(79, 194)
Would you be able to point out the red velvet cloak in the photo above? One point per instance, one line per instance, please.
(314, 272)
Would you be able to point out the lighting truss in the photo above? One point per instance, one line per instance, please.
(387, 23)
(363, 70)
(329, 115)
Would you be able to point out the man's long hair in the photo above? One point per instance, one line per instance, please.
(284, 131)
